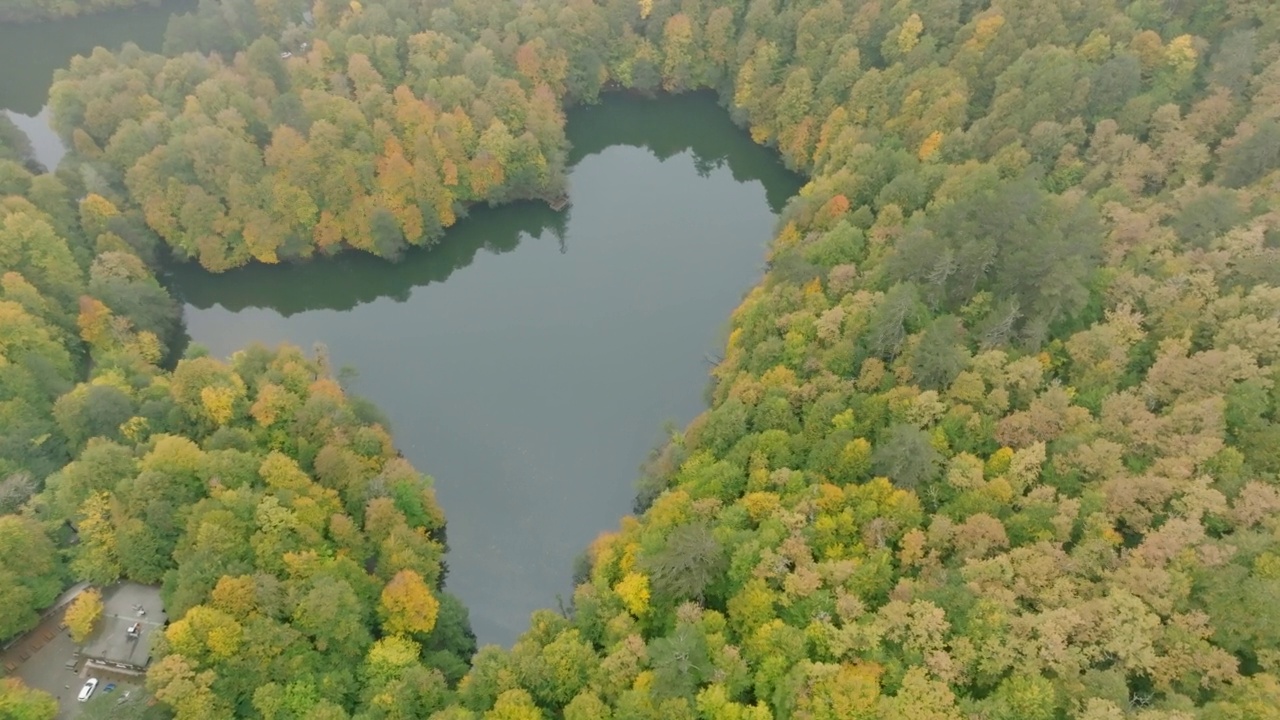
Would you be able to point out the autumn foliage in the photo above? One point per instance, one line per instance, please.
(408, 607)
(996, 436)
(83, 614)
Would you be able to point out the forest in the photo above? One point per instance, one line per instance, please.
(997, 436)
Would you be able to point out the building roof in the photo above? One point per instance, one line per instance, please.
(111, 642)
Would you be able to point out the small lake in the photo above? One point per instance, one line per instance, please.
(31, 52)
(530, 361)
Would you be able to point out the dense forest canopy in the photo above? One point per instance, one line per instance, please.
(996, 437)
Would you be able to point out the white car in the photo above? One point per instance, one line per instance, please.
(88, 689)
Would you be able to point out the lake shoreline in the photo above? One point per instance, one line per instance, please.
(494, 352)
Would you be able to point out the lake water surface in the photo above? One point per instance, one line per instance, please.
(530, 361)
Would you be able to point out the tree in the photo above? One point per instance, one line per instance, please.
(31, 571)
(83, 614)
(125, 285)
(176, 683)
(208, 391)
(838, 692)
(1248, 159)
(680, 661)
(451, 643)
(587, 706)
(89, 411)
(906, 456)
(1010, 238)
(408, 605)
(940, 355)
(895, 318)
(14, 144)
(29, 245)
(15, 490)
(1025, 697)
(1211, 213)
(690, 560)
(514, 705)
(19, 702)
(333, 615)
(921, 696)
(557, 671)
(389, 657)
(633, 589)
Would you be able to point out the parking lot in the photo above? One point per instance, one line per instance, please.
(40, 659)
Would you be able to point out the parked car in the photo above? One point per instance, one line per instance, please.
(87, 690)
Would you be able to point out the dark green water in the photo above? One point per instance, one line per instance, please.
(530, 362)
(30, 53)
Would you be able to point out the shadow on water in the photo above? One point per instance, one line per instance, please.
(706, 131)
(352, 278)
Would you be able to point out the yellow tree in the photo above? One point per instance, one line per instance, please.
(839, 692)
(205, 632)
(95, 214)
(909, 34)
(274, 403)
(97, 559)
(678, 62)
(633, 590)
(83, 614)
(389, 658)
(95, 322)
(208, 390)
(396, 190)
(176, 683)
(408, 605)
(19, 701)
(529, 60)
(930, 146)
(514, 705)
(234, 595)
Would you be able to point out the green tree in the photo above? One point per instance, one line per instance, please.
(680, 661)
(689, 561)
(1249, 159)
(940, 355)
(906, 456)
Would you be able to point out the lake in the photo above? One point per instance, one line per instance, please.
(530, 361)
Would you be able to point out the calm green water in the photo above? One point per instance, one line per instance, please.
(30, 53)
(530, 361)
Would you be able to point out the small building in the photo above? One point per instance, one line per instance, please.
(131, 615)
